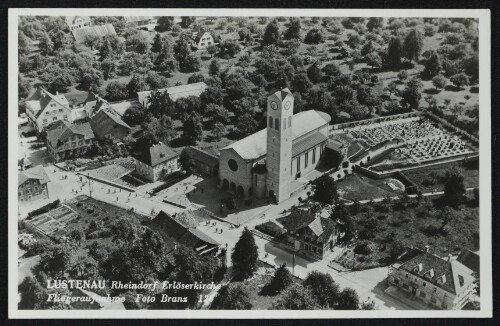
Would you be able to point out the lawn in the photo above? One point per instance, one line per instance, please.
(359, 187)
(433, 177)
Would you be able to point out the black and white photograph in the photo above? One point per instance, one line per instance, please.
(181, 162)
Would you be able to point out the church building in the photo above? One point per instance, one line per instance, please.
(268, 162)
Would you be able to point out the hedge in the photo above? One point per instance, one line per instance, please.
(44, 209)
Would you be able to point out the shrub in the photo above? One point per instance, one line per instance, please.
(363, 248)
(44, 209)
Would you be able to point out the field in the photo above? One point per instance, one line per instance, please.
(359, 187)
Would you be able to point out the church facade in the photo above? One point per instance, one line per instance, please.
(266, 163)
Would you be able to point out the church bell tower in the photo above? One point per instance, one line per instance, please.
(279, 144)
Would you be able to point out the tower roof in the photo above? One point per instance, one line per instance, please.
(281, 94)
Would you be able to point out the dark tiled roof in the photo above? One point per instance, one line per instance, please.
(175, 231)
(156, 154)
(469, 259)
(234, 36)
(37, 173)
(299, 219)
(45, 97)
(68, 130)
(202, 156)
(307, 143)
(105, 120)
(427, 262)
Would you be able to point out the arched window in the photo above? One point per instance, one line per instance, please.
(270, 122)
(277, 124)
(289, 122)
(284, 123)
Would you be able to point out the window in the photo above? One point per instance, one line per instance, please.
(424, 284)
(270, 122)
(314, 155)
(284, 124)
(54, 118)
(306, 157)
(298, 163)
(277, 124)
(60, 110)
(406, 275)
(202, 44)
(289, 122)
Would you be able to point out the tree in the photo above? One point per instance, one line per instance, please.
(57, 260)
(314, 73)
(31, 293)
(166, 61)
(402, 75)
(397, 249)
(301, 83)
(77, 235)
(314, 36)
(331, 70)
(116, 91)
(433, 65)
(460, 79)
(229, 49)
(412, 93)
(232, 297)
(394, 52)
(134, 116)
(245, 255)
(136, 84)
(271, 34)
(413, 44)
(190, 64)
(159, 104)
(193, 129)
(323, 288)
(246, 125)
(374, 23)
(123, 230)
(165, 23)
(373, 60)
(137, 43)
(187, 20)
(217, 113)
(91, 80)
(212, 49)
(296, 297)
(218, 130)
(157, 43)
(196, 78)
(392, 88)
(439, 81)
(348, 300)
(46, 45)
(156, 81)
(454, 188)
(293, 30)
(181, 50)
(280, 281)
(214, 68)
(212, 95)
(324, 190)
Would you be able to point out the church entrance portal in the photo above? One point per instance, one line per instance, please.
(241, 192)
(272, 196)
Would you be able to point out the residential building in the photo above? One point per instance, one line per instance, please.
(32, 185)
(202, 161)
(67, 141)
(156, 162)
(93, 103)
(310, 234)
(141, 22)
(76, 22)
(439, 283)
(202, 38)
(44, 108)
(229, 37)
(174, 92)
(266, 163)
(97, 30)
(181, 229)
(107, 123)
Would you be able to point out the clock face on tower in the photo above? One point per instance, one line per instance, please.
(288, 104)
(274, 105)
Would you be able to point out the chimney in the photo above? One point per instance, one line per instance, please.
(57, 92)
(427, 247)
(449, 257)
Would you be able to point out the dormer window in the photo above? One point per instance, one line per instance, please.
(461, 280)
(420, 267)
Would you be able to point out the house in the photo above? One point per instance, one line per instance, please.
(76, 22)
(140, 22)
(470, 260)
(107, 122)
(202, 161)
(202, 38)
(156, 162)
(97, 30)
(310, 234)
(439, 283)
(32, 185)
(93, 103)
(44, 108)
(67, 141)
(181, 229)
(229, 37)
(174, 92)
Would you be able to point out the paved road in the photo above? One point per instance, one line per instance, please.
(368, 283)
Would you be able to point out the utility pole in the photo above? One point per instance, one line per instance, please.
(90, 188)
